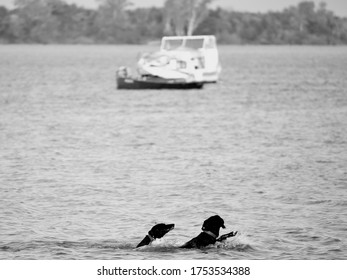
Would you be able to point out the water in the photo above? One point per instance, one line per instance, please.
(86, 170)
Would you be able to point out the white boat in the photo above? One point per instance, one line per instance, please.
(194, 58)
(181, 62)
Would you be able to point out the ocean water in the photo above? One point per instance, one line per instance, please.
(86, 169)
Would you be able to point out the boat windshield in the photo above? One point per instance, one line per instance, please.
(191, 43)
(172, 44)
(194, 43)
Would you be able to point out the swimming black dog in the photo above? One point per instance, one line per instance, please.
(158, 231)
(209, 234)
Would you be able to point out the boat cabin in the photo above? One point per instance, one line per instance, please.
(206, 47)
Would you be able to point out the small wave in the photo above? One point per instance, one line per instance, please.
(331, 241)
(236, 246)
(340, 203)
(5, 248)
(321, 201)
(325, 161)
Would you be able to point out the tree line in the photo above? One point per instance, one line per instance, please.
(116, 22)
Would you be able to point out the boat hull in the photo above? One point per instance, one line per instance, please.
(158, 83)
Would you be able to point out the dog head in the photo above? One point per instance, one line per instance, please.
(159, 230)
(213, 224)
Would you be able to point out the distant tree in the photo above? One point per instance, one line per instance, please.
(115, 9)
(35, 20)
(224, 24)
(77, 24)
(148, 23)
(4, 24)
(55, 21)
(175, 15)
(112, 19)
(183, 17)
(198, 11)
(271, 27)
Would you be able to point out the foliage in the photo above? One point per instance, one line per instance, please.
(183, 17)
(116, 21)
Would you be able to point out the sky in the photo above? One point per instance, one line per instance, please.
(339, 7)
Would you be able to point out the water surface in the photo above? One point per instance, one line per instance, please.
(86, 170)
